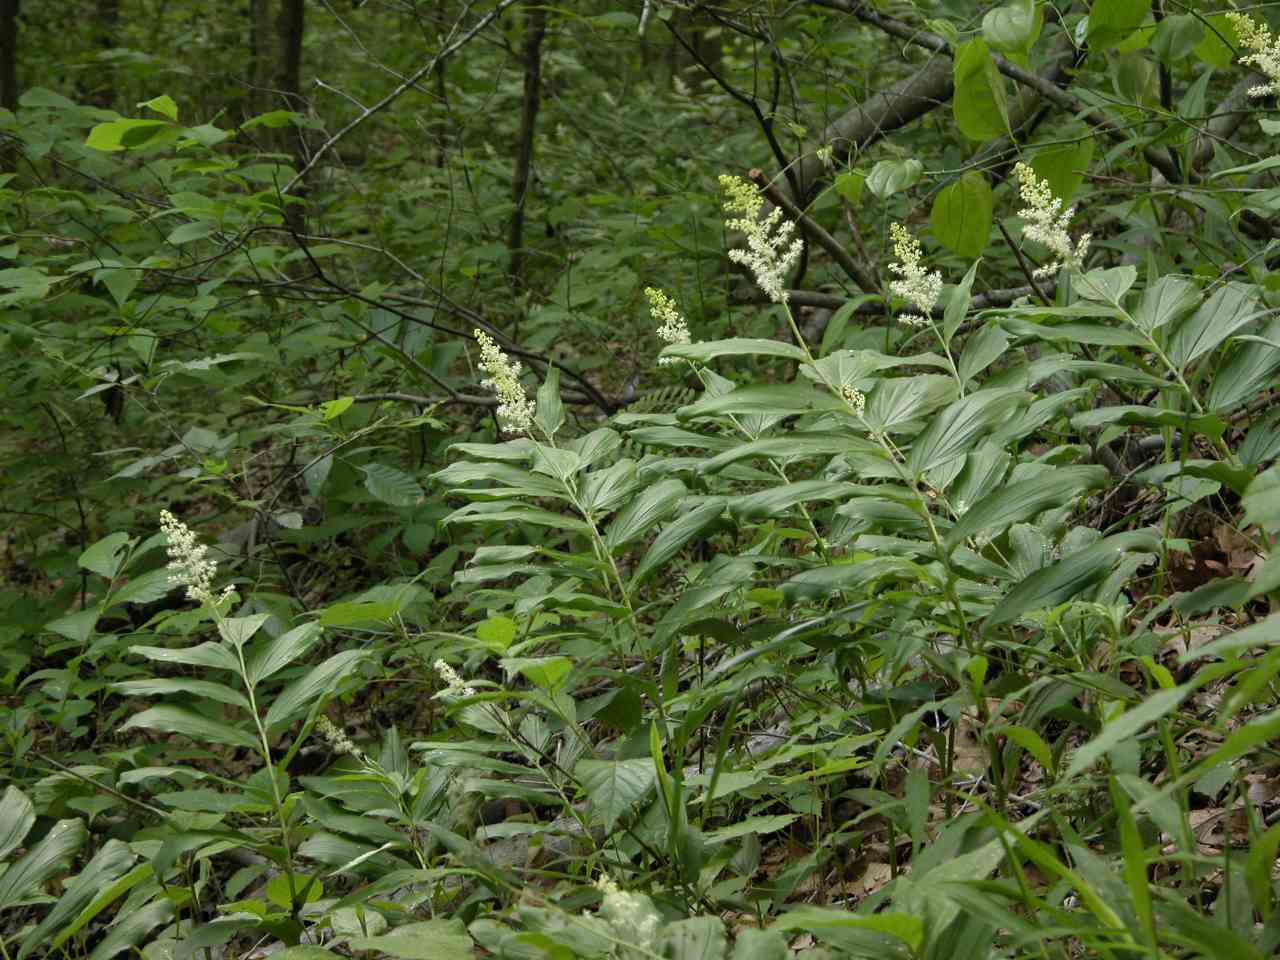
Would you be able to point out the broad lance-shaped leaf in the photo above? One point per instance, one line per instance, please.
(1165, 300)
(778, 500)
(188, 723)
(1126, 726)
(318, 682)
(275, 654)
(955, 430)
(110, 862)
(1068, 578)
(200, 688)
(1230, 307)
(675, 535)
(898, 401)
(49, 858)
(17, 816)
(208, 654)
(651, 507)
(774, 399)
(1005, 506)
(131, 929)
(708, 350)
(615, 786)
(391, 486)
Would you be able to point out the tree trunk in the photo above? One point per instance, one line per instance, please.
(535, 29)
(106, 19)
(262, 57)
(9, 54)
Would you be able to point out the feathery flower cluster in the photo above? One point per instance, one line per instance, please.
(674, 328)
(1047, 222)
(855, 398)
(455, 687)
(632, 916)
(771, 250)
(188, 565)
(336, 737)
(515, 409)
(1266, 56)
(918, 286)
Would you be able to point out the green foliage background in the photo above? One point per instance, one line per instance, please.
(831, 633)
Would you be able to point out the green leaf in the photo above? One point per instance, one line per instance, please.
(820, 920)
(1261, 501)
(550, 409)
(1064, 166)
(979, 102)
(1250, 370)
(697, 938)
(147, 588)
(103, 897)
(547, 673)
(170, 719)
(751, 943)
(237, 631)
(1167, 299)
(652, 507)
(208, 654)
(981, 350)
(773, 399)
(1107, 285)
(429, 940)
(17, 816)
(1127, 726)
(958, 304)
(319, 681)
(955, 430)
(358, 611)
(1231, 307)
(962, 215)
(275, 654)
(708, 350)
(1005, 506)
(1110, 21)
(49, 858)
(1051, 585)
(163, 105)
(893, 176)
(107, 865)
(615, 786)
(307, 887)
(182, 686)
(1176, 38)
(849, 185)
(190, 232)
(777, 501)
(675, 535)
(898, 402)
(1259, 864)
(131, 929)
(497, 633)
(391, 486)
(1217, 47)
(105, 557)
(1128, 415)
(1014, 27)
(128, 134)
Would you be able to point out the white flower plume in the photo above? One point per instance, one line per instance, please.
(1047, 223)
(515, 409)
(188, 565)
(1266, 52)
(772, 249)
(672, 327)
(917, 286)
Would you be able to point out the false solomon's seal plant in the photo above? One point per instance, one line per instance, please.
(894, 514)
